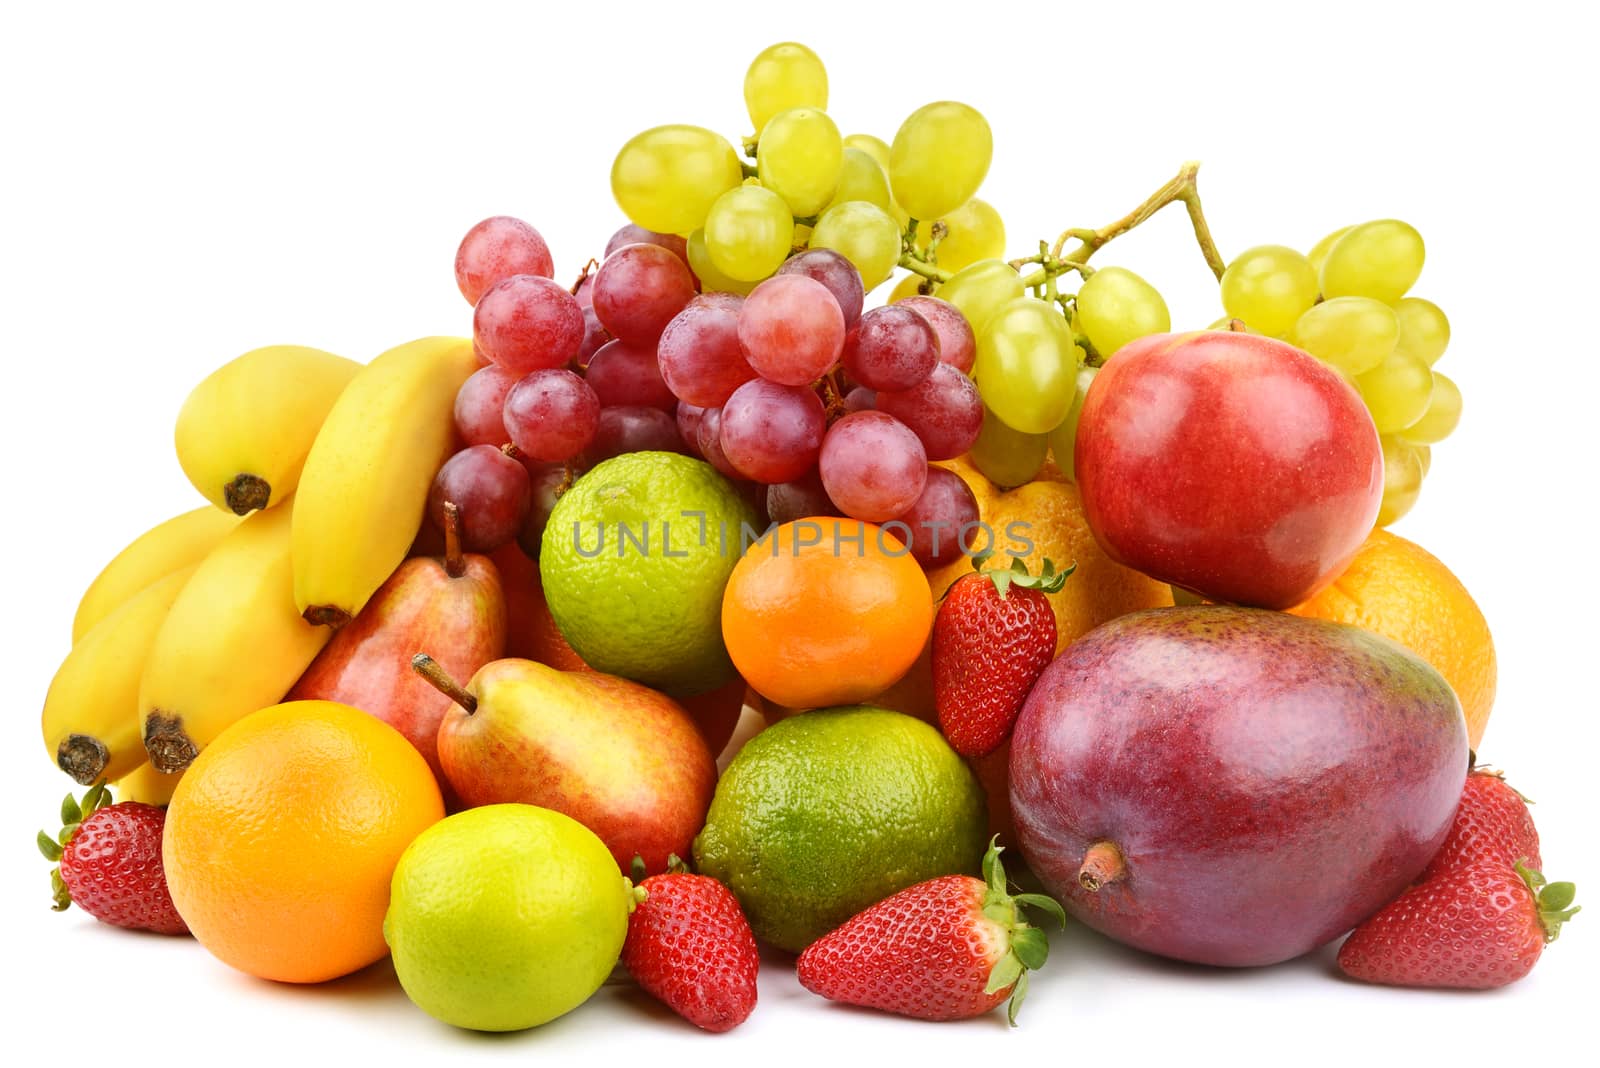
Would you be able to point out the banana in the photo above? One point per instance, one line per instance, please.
(244, 432)
(145, 785)
(365, 484)
(179, 543)
(232, 643)
(91, 712)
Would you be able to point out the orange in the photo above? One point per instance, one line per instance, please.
(1397, 589)
(283, 835)
(825, 612)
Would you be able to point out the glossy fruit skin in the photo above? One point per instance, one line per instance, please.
(623, 760)
(1232, 465)
(988, 651)
(691, 948)
(112, 868)
(460, 620)
(1269, 781)
(1475, 927)
(1492, 823)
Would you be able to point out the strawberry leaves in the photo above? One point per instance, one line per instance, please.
(1554, 901)
(73, 813)
(1048, 580)
(1028, 945)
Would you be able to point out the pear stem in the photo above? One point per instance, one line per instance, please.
(455, 563)
(1102, 865)
(440, 680)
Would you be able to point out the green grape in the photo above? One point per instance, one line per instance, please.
(1397, 391)
(1269, 287)
(976, 232)
(1115, 306)
(1444, 412)
(1226, 323)
(980, 289)
(749, 233)
(799, 157)
(860, 178)
(1402, 480)
(784, 76)
(1424, 331)
(1005, 456)
(667, 178)
(1064, 438)
(862, 233)
(1319, 252)
(909, 286)
(1354, 334)
(939, 158)
(1379, 259)
(1027, 365)
(872, 146)
(711, 279)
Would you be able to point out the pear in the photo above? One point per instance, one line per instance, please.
(626, 761)
(453, 604)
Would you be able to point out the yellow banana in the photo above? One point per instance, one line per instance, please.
(365, 485)
(179, 543)
(244, 432)
(232, 643)
(91, 713)
(145, 785)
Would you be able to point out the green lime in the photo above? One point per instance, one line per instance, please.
(634, 562)
(825, 813)
(505, 917)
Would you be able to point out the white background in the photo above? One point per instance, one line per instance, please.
(183, 185)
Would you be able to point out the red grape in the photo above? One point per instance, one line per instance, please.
(551, 415)
(834, 271)
(699, 351)
(625, 375)
(860, 399)
(890, 349)
(788, 501)
(525, 323)
(492, 492)
(872, 466)
(708, 439)
(944, 410)
(480, 406)
(688, 416)
(547, 483)
(594, 336)
(772, 433)
(791, 329)
(632, 429)
(638, 235)
(935, 521)
(496, 249)
(957, 346)
(638, 289)
(583, 292)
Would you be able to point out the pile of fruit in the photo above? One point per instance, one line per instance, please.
(697, 605)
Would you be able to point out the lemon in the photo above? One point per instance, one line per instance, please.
(634, 561)
(505, 917)
(825, 813)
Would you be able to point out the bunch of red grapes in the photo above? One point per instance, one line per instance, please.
(835, 411)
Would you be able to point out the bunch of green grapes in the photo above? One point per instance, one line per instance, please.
(1345, 303)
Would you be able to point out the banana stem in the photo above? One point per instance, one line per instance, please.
(440, 680)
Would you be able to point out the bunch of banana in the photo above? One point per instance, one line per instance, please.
(244, 432)
(364, 488)
(146, 785)
(232, 643)
(181, 542)
(91, 712)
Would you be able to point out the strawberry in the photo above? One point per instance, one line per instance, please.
(994, 635)
(1492, 823)
(109, 861)
(945, 949)
(1477, 926)
(690, 947)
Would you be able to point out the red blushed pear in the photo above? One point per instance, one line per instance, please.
(454, 604)
(1229, 464)
(623, 760)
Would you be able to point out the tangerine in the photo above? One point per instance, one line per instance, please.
(283, 834)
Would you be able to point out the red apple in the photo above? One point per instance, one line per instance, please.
(1235, 466)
